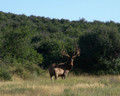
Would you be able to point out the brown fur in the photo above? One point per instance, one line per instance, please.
(58, 70)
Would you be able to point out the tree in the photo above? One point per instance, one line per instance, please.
(100, 51)
(16, 44)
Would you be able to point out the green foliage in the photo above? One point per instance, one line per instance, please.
(100, 51)
(27, 70)
(16, 44)
(4, 75)
(51, 52)
(32, 42)
(24, 74)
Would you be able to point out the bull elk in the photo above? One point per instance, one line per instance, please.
(62, 69)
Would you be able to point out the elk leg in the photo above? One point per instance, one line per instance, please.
(51, 76)
(56, 76)
(62, 76)
(56, 73)
(65, 74)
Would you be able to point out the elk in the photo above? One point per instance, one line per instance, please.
(62, 69)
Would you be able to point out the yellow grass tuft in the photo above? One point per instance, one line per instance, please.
(88, 85)
(56, 89)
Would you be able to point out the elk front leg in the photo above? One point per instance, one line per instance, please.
(56, 73)
(51, 77)
(56, 76)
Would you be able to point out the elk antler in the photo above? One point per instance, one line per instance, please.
(77, 51)
(63, 53)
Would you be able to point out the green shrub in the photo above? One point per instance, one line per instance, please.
(33, 68)
(4, 75)
(27, 70)
(100, 51)
(20, 71)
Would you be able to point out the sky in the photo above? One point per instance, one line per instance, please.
(90, 10)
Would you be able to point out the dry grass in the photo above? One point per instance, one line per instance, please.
(71, 86)
(88, 85)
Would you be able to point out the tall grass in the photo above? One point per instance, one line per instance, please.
(71, 86)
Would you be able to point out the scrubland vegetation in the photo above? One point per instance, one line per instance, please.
(29, 44)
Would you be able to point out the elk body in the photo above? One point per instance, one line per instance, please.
(62, 69)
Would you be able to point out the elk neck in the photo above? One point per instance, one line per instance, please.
(70, 63)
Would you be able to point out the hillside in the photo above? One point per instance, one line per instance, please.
(29, 44)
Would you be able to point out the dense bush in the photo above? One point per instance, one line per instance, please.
(100, 51)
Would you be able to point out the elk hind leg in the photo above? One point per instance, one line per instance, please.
(51, 77)
(63, 76)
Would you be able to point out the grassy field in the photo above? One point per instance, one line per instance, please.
(71, 86)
